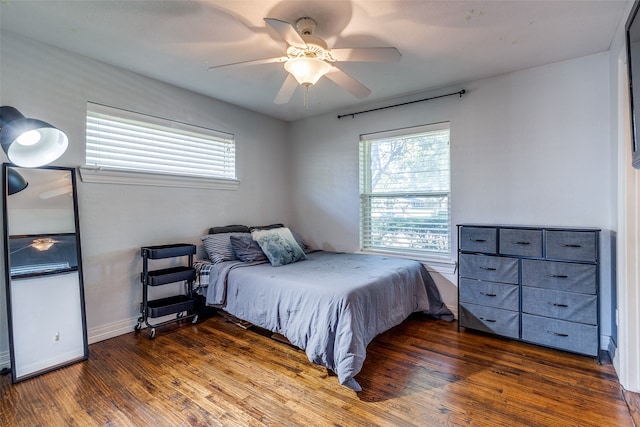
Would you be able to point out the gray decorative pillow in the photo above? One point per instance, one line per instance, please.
(218, 246)
(279, 245)
(265, 227)
(246, 248)
(229, 229)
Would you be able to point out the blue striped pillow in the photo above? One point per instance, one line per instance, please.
(218, 246)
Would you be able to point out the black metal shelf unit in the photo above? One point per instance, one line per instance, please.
(181, 305)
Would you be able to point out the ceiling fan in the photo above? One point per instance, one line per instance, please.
(308, 59)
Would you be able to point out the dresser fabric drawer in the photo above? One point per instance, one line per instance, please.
(489, 319)
(564, 276)
(560, 305)
(491, 268)
(571, 245)
(499, 295)
(520, 242)
(575, 337)
(478, 239)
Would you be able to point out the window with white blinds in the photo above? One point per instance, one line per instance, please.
(126, 141)
(405, 191)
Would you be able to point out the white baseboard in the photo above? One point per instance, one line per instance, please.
(454, 310)
(111, 330)
(5, 359)
(121, 327)
(607, 344)
(94, 335)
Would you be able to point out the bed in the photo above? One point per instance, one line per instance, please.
(331, 305)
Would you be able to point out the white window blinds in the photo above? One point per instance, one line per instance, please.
(123, 140)
(405, 191)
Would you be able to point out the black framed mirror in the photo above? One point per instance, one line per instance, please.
(43, 270)
(632, 33)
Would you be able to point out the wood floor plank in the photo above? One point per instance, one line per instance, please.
(633, 402)
(424, 372)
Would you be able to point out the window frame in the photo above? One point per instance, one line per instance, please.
(443, 260)
(96, 173)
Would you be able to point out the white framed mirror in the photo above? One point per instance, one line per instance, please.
(43, 270)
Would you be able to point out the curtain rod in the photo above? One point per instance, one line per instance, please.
(460, 93)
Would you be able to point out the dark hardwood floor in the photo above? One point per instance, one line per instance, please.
(421, 373)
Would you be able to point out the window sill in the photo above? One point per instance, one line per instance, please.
(444, 266)
(112, 176)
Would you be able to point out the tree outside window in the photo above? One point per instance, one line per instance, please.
(405, 191)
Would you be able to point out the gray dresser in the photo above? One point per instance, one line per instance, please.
(535, 284)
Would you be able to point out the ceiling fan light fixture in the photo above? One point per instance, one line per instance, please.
(43, 244)
(307, 71)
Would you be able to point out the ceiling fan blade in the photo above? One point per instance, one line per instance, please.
(347, 82)
(286, 91)
(367, 54)
(286, 30)
(56, 192)
(254, 62)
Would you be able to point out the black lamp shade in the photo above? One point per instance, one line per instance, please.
(30, 142)
(15, 182)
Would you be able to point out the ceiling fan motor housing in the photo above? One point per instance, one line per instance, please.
(305, 26)
(315, 46)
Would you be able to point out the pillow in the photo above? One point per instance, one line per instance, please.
(229, 229)
(296, 236)
(279, 246)
(247, 249)
(265, 227)
(218, 247)
(301, 242)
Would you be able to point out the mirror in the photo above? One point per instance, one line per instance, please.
(632, 28)
(43, 270)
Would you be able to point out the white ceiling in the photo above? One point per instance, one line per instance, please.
(46, 189)
(442, 42)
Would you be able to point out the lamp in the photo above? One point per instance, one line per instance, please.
(307, 71)
(29, 142)
(15, 182)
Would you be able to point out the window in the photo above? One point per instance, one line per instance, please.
(120, 142)
(405, 191)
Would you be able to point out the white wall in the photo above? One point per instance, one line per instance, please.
(115, 221)
(530, 147)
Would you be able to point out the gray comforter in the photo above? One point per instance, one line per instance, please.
(331, 305)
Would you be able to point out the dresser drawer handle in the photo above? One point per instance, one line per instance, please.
(559, 276)
(522, 243)
(488, 295)
(557, 334)
(478, 240)
(555, 304)
(568, 245)
(488, 320)
(488, 268)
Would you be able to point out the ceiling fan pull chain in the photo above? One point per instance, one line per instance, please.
(306, 96)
